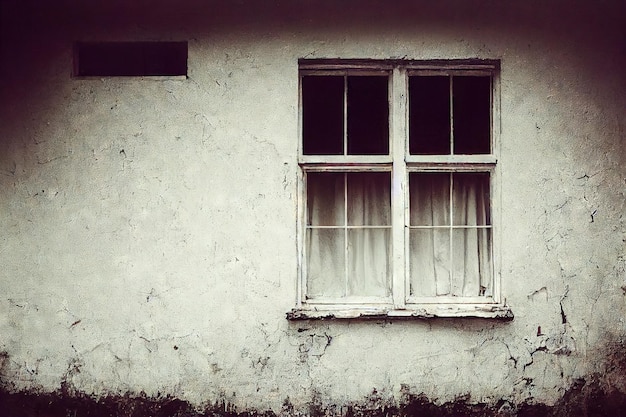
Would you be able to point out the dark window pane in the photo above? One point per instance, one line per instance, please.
(429, 115)
(322, 115)
(130, 58)
(471, 113)
(368, 115)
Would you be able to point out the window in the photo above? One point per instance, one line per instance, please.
(118, 59)
(399, 189)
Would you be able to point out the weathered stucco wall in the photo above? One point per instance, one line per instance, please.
(149, 226)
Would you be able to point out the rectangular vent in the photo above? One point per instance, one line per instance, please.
(130, 59)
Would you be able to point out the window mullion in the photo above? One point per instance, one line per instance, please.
(398, 135)
(346, 275)
(451, 100)
(451, 191)
(451, 232)
(345, 234)
(345, 115)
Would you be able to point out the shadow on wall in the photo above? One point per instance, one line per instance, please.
(36, 37)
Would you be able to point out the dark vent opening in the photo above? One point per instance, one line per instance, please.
(120, 59)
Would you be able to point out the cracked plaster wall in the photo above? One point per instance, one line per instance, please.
(148, 226)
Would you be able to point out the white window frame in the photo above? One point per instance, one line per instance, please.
(400, 163)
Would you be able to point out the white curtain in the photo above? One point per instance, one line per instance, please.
(446, 260)
(449, 244)
(429, 247)
(325, 247)
(348, 257)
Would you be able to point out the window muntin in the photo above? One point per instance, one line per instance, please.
(443, 118)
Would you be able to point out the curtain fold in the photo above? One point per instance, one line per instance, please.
(369, 249)
(429, 247)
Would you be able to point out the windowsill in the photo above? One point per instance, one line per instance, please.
(422, 311)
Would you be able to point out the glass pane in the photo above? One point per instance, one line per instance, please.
(369, 251)
(429, 262)
(470, 193)
(429, 115)
(472, 273)
(369, 198)
(322, 115)
(325, 198)
(325, 263)
(368, 115)
(472, 114)
(429, 199)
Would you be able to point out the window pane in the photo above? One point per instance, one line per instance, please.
(472, 114)
(368, 262)
(325, 263)
(325, 198)
(429, 262)
(429, 199)
(429, 115)
(322, 115)
(472, 274)
(369, 198)
(368, 115)
(470, 202)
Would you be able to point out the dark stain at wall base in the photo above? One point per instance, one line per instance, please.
(584, 398)
(598, 394)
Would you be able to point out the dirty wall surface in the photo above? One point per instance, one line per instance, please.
(149, 225)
